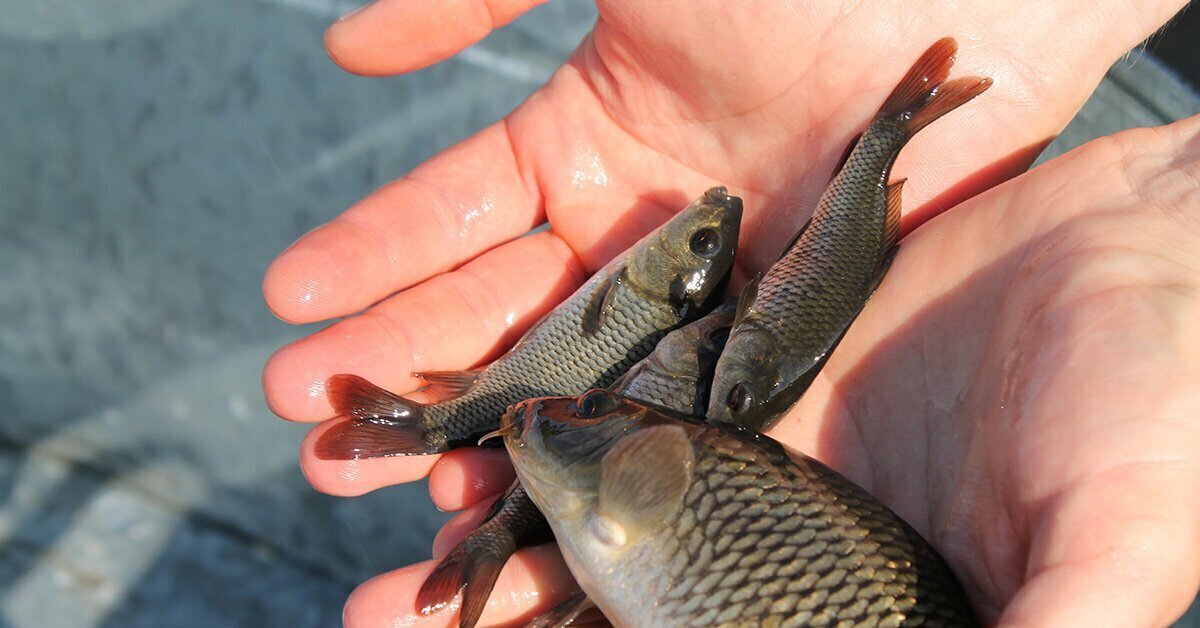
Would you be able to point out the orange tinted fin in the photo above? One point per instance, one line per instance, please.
(922, 78)
(358, 398)
(446, 385)
(473, 573)
(923, 96)
(356, 439)
(891, 222)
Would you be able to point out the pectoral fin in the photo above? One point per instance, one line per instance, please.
(600, 306)
(643, 479)
(746, 301)
(564, 614)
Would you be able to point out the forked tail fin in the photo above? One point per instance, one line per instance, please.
(924, 95)
(381, 423)
(473, 573)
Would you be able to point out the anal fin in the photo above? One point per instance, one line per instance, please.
(891, 221)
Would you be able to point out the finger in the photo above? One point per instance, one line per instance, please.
(532, 582)
(462, 202)
(452, 321)
(393, 36)
(350, 478)
(465, 476)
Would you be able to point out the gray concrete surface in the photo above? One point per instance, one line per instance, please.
(154, 156)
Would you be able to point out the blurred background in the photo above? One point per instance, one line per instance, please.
(154, 157)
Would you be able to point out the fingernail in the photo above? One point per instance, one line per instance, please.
(355, 11)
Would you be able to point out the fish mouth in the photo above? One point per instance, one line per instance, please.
(517, 420)
(720, 196)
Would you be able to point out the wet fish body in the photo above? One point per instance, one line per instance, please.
(473, 566)
(672, 276)
(676, 375)
(791, 319)
(667, 521)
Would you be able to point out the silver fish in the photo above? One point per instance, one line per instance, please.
(790, 321)
(676, 376)
(672, 276)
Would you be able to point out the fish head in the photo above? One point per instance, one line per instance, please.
(558, 442)
(687, 261)
(746, 376)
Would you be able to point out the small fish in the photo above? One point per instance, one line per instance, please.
(791, 319)
(671, 277)
(676, 376)
(668, 521)
(473, 566)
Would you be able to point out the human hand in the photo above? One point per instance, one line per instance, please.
(646, 128)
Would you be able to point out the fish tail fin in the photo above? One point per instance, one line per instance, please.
(355, 439)
(381, 423)
(473, 573)
(924, 95)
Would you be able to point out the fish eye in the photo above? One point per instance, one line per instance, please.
(740, 398)
(595, 402)
(706, 242)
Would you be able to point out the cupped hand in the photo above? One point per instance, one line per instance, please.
(663, 100)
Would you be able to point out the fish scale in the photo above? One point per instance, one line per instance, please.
(675, 375)
(855, 554)
(562, 366)
(792, 318)
(667, 279)
(761, 535)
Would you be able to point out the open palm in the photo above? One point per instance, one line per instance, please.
(941, 400)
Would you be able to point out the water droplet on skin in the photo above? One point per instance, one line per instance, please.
(316, 389)
(350, 471)
(588, 169)
(472, 213)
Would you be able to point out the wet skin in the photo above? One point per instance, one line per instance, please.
(1016, 388)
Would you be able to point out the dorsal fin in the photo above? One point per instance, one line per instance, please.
(446, 385)
(891, 221)
(746, 301)
(643, 479)
(597, 309)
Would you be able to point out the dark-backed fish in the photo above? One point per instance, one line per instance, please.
(671, 277)
(791, 319)
(676, 376)
(668, 521)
